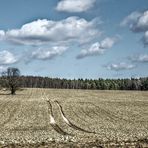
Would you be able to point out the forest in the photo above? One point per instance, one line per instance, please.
(99, 84)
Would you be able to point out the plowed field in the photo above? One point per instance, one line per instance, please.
(73, 116)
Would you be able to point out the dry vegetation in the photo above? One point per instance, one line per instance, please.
(85, 117)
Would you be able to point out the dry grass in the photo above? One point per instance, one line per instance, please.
(115, 116)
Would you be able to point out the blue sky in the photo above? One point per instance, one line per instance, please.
(75, 38)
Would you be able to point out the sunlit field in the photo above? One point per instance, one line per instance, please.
(74, 116)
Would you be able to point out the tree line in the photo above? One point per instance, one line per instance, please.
(100, 84)
(12, 80)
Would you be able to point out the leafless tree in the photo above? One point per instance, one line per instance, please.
(10, 79)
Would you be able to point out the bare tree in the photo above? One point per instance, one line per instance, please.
(10, 79)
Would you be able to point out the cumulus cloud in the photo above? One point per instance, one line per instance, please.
(131, 19)
(142, 23)
(98, 48)
(108, 42)
(120, 66)
(7, 58)
(138, 22)
(92, 51)
(72, 29)
(75, 5)
(44, 54)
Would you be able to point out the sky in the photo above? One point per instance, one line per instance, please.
(75, 38)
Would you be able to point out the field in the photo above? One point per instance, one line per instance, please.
(73, 116)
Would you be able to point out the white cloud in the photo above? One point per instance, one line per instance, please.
(138, 22)
(7, 57)
(92, 51)
(2, 34)
(75, 5)
(143, 58)
(140, 58)
(2, 69)
(131, 19)
(72, 29)
(108, 42)
(98, 48)
(145, 38)
(120, 66)
(44, 54)
(142, 23)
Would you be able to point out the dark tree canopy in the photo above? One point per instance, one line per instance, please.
(10, 79)
(11, 76)
(99, 84)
